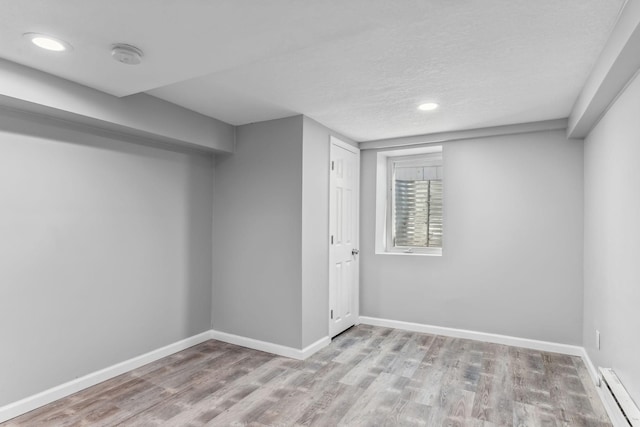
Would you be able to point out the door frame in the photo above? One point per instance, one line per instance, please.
(333, 140)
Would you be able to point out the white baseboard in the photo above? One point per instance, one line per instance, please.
(315, 347)
(278, 349)
(32, 402)
(572, 350)
(593, 372)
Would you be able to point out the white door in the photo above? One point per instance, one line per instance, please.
(343, 239)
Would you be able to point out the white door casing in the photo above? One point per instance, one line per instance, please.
(344, 203)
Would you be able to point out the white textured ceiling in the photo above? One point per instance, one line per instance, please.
(359, 66)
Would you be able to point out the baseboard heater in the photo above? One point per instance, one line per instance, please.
(612, 386)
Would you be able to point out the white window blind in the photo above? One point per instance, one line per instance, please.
(416, 202)
(418, 213)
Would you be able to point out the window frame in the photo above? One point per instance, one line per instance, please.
(384, 200)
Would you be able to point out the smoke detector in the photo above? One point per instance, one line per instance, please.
(126, 54)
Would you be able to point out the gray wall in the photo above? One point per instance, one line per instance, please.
(105, 252)
(512, 261)
(257, 234)
(612, 240)
(315, 229)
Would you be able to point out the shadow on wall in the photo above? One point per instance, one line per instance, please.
(198, 253)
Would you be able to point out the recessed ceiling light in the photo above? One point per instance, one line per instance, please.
(428, 106)
(47, 42)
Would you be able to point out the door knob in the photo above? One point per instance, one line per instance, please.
(355, 251)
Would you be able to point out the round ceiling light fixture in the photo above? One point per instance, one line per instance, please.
(126, 54)
(428, 106)
(47, 42)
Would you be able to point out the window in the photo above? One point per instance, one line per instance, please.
(409, 217)
(415, 217)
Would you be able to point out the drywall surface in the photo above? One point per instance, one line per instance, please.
(616, 65)
(257, 234)
(140, 114)
(612, 240)
(362, 67)
(512, 257)
(315, 229)
(316, 147)
(105, 252)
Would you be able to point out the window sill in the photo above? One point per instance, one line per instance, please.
(409, 253)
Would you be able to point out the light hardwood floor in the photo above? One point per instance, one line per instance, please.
(368, 376)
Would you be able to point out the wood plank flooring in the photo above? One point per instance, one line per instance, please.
(368, 376)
